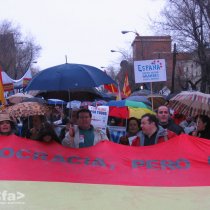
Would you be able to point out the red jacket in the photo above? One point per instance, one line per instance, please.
(161, 136)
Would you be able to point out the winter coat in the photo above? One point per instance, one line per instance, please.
(161, 136)
(75, 141)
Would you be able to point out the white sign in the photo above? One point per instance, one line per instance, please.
(165, 91)
(99, 116)
(150, 71)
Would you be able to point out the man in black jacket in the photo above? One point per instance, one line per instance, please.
(166, 122)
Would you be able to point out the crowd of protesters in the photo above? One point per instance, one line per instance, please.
(77, 132)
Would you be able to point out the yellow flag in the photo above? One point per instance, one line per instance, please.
(2, 99)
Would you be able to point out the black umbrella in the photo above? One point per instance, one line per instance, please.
(88, 94)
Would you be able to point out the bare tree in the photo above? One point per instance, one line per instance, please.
(111, 72)
(185, 22)
(126, 66)
(205, 9)
(17, 53)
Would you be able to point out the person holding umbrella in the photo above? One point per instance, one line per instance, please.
(83, 134)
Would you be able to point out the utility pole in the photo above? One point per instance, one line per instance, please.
(173, 68)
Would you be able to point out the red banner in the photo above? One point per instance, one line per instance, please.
(181, 161)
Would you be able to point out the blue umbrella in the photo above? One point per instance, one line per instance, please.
(69, 77)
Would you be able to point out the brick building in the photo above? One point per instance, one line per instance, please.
(160, 47)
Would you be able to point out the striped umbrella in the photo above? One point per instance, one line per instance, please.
(191, 103)
(18, 98)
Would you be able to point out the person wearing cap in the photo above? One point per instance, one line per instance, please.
(7, 125)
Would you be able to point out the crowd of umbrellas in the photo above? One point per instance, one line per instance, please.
(70, 82)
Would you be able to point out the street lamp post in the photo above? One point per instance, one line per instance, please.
(125, 32)
(139, 38)
(16, 71)
(113, 51)
(125, 56)
(173, 68)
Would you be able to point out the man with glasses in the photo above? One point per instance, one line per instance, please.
(165, 120)
(83, 134)
(151, 132)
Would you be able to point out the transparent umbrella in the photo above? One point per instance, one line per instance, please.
(18, 97)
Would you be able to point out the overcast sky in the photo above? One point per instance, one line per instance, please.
(84, 30)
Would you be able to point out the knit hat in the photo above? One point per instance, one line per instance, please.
(5, 117)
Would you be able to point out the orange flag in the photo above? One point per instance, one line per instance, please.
(111, 87)
(126, 87)
(2, 99)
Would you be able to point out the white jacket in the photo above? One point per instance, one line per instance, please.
(73, 142)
